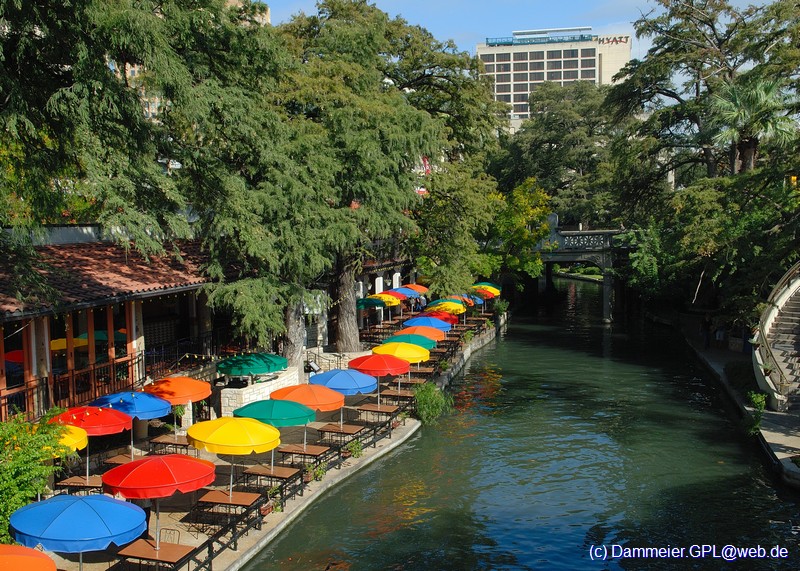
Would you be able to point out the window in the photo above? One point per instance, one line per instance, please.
(500, 67)
(554, 65)
(520, 77)
(520, 56)
(570, 53)
(539, 76)
(487, 58)
(503, 77)
(520, 88)
(588, 52)
(587, 63)
(571, 74)
(521, 66)
(521, 108)
(537, 55)
(520, 97)
(503, 57)
(554, 54)
(503, 88)
(553, 75)
(571, 64)
(504, 98)
(489, 68)
(587, 74)
(537, 65)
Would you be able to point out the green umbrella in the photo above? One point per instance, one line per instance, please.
(252, 364)
(277, 412)
(421, 340)
(367, 302)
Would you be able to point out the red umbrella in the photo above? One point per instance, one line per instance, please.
(96, 421)
(160, 476)
(379, 365)
(443, 315)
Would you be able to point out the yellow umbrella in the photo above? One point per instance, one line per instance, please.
(61, 344)
(406, 351)
(233, 435)
(450, 307)
(492, 289)
(389, 300)
(74, 438)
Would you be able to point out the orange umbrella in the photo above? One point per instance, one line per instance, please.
(317, 397)
(179, 390)
(19, 557)
(429, 332)
(416, 287)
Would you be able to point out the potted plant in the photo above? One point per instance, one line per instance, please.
(308, 472)
(320, 470)
(353, 448)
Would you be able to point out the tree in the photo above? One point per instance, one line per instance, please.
(27, 463)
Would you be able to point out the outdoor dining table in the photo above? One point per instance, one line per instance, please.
(397, 394)
(275, 475)
(311, 451)
(119, 459)
(376, 409)
(168, 555)
(340, 431)
(81, 484)
(224, 504)
(171, 444)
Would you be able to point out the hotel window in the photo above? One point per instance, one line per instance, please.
(587, 74)
(571, 74)
(553, 75)
(588, 52)
(520, 97)
(571, 64)
(537, 55)
(487, 58)
(503, 57)
(587, 63)
(554, 54)
(537, 65)
(521, 108)
(520, 56)
(521, 66)
(504, 98)
(520, 77)
(503, 77)
(489, 68)
(538, 76)
(520, 88)
(504, 88)
(501, 67)
(570, 53)
(554, 65)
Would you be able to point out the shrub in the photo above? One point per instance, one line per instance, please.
(759, 403)
(355, 448)
(500, 306)
(432, 403)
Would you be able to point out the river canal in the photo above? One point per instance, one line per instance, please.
(567, 435)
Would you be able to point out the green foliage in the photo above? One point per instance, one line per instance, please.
(320, 470)
(355, 448)
(431, 403)
(759, 403)
(27, 463)
(467, 336)
(500, 306)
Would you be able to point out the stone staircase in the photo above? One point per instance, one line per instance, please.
(784, 339)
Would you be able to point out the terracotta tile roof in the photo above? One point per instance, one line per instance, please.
(92, 273)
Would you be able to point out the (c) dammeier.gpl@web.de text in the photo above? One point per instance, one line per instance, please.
(724, 553)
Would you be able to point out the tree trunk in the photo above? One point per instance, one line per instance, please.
(344, 307)
(295, 334)
(747, 152)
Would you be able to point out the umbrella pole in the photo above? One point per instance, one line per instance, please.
(87, 463)
(80, 561)
(305, 436)
(131, 442)
(272, 461)
(158, 533)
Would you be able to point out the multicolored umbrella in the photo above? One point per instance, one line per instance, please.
(252, 364)
(236, 436)
(18, 557)
(485, 286)
(488, 285)
(159, 476)
(74, 524)
(406, 291)
(442, 300)
(421, 340)
(394, 293)
(389, 300)
(96, 421)
(441, 315)
(416, 287)
(450, 306)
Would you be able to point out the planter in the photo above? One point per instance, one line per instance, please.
(395, 423)
(307, 477)
(346, 454)
(267, 508)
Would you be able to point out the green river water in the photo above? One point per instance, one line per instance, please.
(569, 437)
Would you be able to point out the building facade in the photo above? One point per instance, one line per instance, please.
(519, 63)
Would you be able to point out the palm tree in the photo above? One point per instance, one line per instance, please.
(747, 113)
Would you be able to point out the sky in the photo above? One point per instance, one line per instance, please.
(469, 22)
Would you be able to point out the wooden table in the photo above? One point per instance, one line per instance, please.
(171, 555)
(312, 451)
(340, 431)
(275, 474)
(120, 459)
(81, 484)
(171, 444)
(374, 409)
(221, 503)
(397, 395)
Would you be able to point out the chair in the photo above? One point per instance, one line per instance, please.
(170, 535)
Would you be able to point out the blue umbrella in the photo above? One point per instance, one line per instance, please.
(428, 322)
(74, 524)
(346, 381)
(141, 405)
